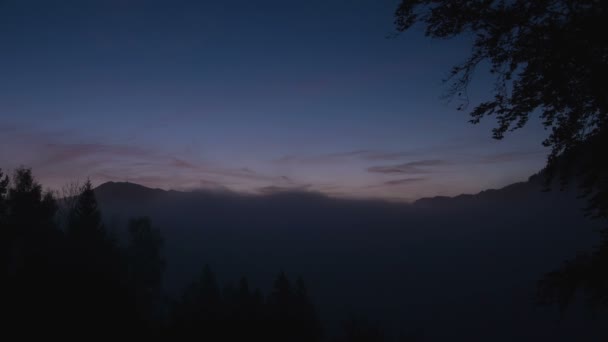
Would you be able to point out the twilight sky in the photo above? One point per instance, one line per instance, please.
(253, 96)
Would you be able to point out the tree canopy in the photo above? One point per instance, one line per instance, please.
(548, 58)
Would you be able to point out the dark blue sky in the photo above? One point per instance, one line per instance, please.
(248, 95)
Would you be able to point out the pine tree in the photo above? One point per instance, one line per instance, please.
(199, 312)
(3, 190)
(98, 291)
(4, 232)
(281, 310)
(281, 295)
(85, 224)
(29, 241)
(307, 319)
(145, 267)
(146, 262)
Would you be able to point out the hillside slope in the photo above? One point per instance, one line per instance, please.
(463, 267)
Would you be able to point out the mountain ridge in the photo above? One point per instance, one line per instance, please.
(491, 248)
(135, 191)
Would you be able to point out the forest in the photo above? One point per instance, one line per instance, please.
(65, 274)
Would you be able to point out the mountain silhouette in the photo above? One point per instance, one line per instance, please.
(126, 191)
(468, 264)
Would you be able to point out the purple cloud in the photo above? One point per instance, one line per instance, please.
(415, 167)
(404, 181)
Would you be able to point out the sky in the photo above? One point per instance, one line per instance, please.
(246, 96)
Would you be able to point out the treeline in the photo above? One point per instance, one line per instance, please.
(64, 274)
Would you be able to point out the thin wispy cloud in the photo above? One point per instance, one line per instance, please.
(99, 153)
(404, 181)
(415, 167)
(180, 163)
(273, 189)
(67, 153)
(324, 158)
(429, 166)
(62, 156)
(377, 154)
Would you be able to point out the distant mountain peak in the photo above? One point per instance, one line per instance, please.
(512, 191)
(126, 191)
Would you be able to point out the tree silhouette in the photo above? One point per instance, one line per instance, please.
(360, 330)
(85, 224)
(3, 190)
(306, 313)
(76, 280)
(588, 272)
(146, 265)
(549, 58)
(29, 251)
(95, 269)
(291, 314)
(244, 310)
(280, 309)
(199, 313)
(4, 231)
(238, 313)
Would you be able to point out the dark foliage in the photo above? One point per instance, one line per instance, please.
(30, 255)
(360, 330)
(145, 267)
(549, 58)
(236, 314)
(76, 280)
(587, 273)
